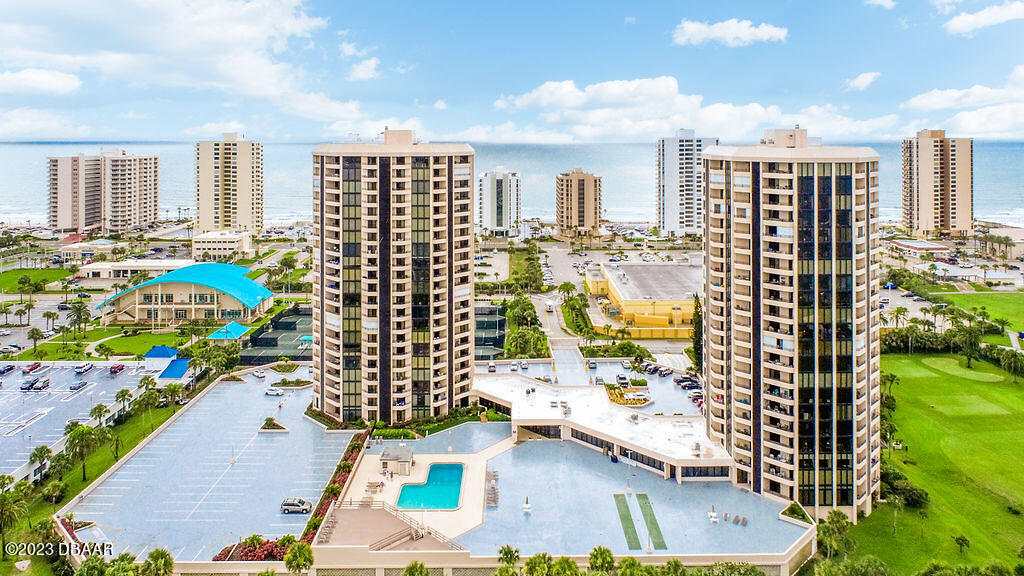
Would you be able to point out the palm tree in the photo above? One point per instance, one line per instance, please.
(508, 556)
(159, 562)
(1012, 362)
(147, 382)
(174, 392)
(50, 316)
(99, 412)
(35, 335)
(147, 401)
(969, 341)
(104, 350)
(299, 558)
(899, 315)
(40, 455)
(12, 508)
(81, 442)
(19, 314)
(29, 306)
(79, 314)
(566, 289)
(961, 542)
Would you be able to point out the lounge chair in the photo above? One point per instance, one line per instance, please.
(743, 522)
(735, 519)
(725, 516)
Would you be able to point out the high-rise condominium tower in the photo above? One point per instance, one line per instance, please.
(578, 203)
(938, 184)
(791, 349)
(498, 203)
(680, 183)
(393, 278)
(112, 191)
(229, 185)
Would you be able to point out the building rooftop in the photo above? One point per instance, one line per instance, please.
(176, 369)
(394, 142)
(140, 264)
(226, 278)
(791, 144)
(921, 245)
(673, 437)
(161, 352)
(230, 331)
(221, 235)
(399, 453)
(654, 280)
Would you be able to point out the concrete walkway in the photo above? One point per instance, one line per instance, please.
(1014, 342)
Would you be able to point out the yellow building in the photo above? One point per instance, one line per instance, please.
(653, 300)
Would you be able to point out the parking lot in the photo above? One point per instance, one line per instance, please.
(29, 419)
(211, 477)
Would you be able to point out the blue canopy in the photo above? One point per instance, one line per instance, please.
(162, 352)
(230, 331)
(226, 278)
(176, 369)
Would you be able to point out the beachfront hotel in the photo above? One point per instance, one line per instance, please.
(578, 203)
(229, 185)
(109, 192)
(938, 185)
(680, 201)
(393, 278)
(498, 203)
(791, 318)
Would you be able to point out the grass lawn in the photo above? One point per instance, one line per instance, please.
(9, 278)
(997, 339)
(142, 342)
(254, 274)
(131, 432)
(980, 287)
(50, 351)
(962, 428)
(1009, 305)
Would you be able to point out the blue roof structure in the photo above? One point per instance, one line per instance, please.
(176, 369)
(230, 331)
(161, 352)
(226, 278)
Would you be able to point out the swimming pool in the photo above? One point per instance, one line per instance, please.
(440, 492)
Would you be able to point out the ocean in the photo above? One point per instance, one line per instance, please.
(628, 172)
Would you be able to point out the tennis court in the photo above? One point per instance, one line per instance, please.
(290, 335)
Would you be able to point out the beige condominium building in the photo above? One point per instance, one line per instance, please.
(791, 350)
(112, 191)
(938, 184)
(229, 185)
(578, 203)
(393, 278)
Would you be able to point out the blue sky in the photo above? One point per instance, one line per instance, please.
(528, 71)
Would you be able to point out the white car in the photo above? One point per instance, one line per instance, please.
(259, 373)
(274, 392)
(5, 332)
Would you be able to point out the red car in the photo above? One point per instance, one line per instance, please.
(116, 368)
(31, 368)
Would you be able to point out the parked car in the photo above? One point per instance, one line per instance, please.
(592, 364)
(7, 368)
(259, 373)
(524, 364)
(163, 402)
(626, 365)
(83, 295)
(598, 380)
(273, 391)
(117, 368)
(622, 380)
(652, 369)
(28, 383)
(83, 368)
(679, 379)
(514, 367)
(5, 332)
(492, 367)
(63, 306)
(297, 505)
(41, 384)
(665, 371)
(31, 368)
(78, 385)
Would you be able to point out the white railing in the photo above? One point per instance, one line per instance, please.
(412, 522)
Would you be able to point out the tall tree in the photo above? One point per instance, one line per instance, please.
(80, 443)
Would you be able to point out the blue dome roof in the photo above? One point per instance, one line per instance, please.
(226, 278)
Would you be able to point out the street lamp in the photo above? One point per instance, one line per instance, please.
(628, 453)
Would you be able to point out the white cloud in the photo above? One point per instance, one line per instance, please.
(403, 68)
(33, 123)
(232, 46)
(945, 6)
(860, 82)
(350, 49)
(37, 81)
(364, 70)
(133, 115)
(646, 108)
(629, 20)
(966, 23)
(977, 95)
(887, 4)
(999, 121)
(214, 129)
(440, 104)
(730, 32)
